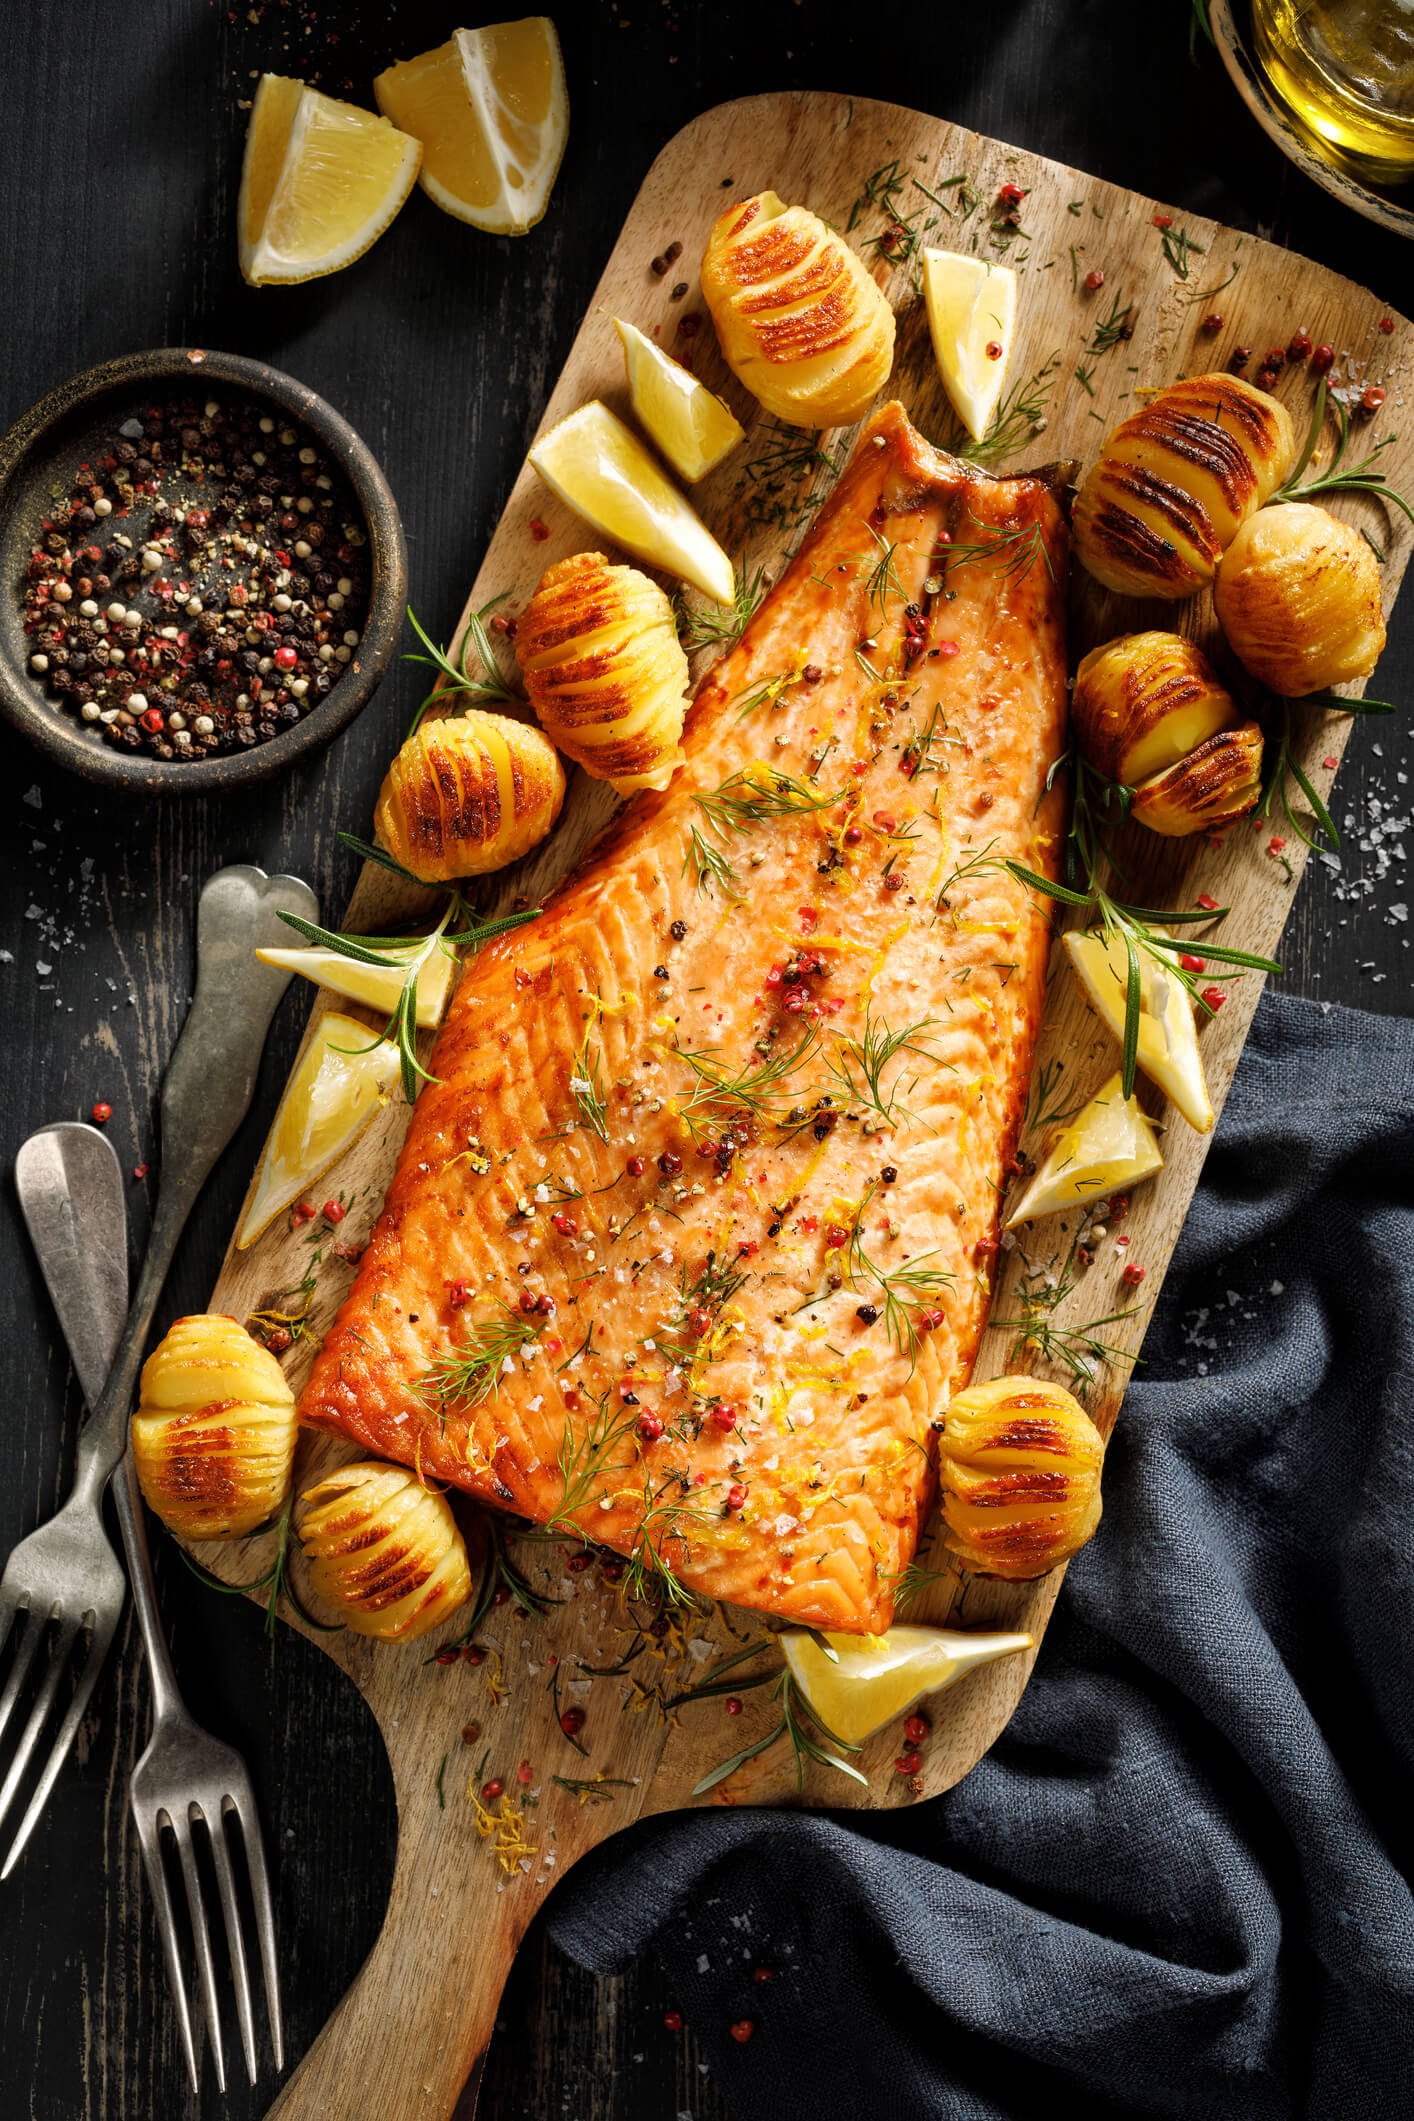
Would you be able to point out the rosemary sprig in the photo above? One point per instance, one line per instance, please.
(1356, 478)
(593, 1789)
(414, 952)
(275, 1580)
(717, 1681)
(1132, 925)
(1096, 804)
(367, 852)
(797, 1719)
(474, 1372)
(1283, 768)
(498, 1573)
(587, 1088)
(1178, 246)
(857, 1063)
(491, 688)
(722, 625)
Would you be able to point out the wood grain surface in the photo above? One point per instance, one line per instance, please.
(419, 2019)
(439, 346)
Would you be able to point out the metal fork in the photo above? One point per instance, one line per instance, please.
(69, 1181)
(64, 1580)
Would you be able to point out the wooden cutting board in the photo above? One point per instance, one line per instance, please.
(412, 2031)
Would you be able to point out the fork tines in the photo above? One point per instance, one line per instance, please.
(194, 1844)
(78, 1646)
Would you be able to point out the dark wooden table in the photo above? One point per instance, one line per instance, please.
(120, 157)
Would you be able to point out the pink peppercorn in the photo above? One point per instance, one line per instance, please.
(1094, 280)
(1214, 997)
(1322, 359)
(736, 1496)
(304, 1213)
(908, 1763)
(333, 1211)
(1193, 964)
(673, 2021)
(285, 658)
(650, 1427)
(1386, 324)
(723, 1415)
(101, 1114)
(1132, 1275)
(1372, 399)
(1209, 905)
(459, 1294)
(572, 1722)
(1298, 346)
(538, 530)
(732, 1705)
(524, 1773)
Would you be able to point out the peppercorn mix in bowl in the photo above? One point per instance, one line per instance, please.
(204, 571)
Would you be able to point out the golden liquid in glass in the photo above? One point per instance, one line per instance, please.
(1346, 68)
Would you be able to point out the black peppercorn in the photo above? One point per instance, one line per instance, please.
(889, 1174)
(678, 931)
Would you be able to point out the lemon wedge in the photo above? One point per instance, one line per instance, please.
(1168, 1036)
(320, 182)
(375, 986)
(1111, 1145)
(971, 308)
(694, 429)
(491, 112)
(879, 1677)
(601, 470)
(328, 1102)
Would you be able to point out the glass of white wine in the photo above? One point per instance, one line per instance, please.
(1346, 69)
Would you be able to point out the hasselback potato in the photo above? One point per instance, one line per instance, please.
(385, 1550)
(1143, 702)
(605, 671)
(214, 1433)
(1020, 1466)
(1174, 482)
(1298, 596)
(1208, 789)
(799, 320)
(469, 794)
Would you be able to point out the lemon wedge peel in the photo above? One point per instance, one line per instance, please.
(320, 182)
(373, 985)
(598, 467)
(338, 1085)
(877, 1678)
(970, 306)
(1168, 1035)
(491, 110)
(693, 428)
(1107, 1147)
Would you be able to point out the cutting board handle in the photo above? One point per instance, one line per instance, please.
(408, 2040)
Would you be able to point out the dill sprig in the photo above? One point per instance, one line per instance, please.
(587, 1088)
(857, 1063)
(1015, 552)
(710, 865)
(1042, 1106)
(275, 1579)
(1076, 1349)
(754, 1086)
(757, 795)
(409, 955)
(917, 758)
(810, 1740)
(882, 190)
(899, 1286)
(1132, 925)
(774, 482)
(722, 625)
(1113, 329)
(714, 1284)
(493, 687)
(1357, 478)
(474, 1372)
(883, 580)
(1020, 415)
(648, 1574)
(917, 1578)
(582, 1458)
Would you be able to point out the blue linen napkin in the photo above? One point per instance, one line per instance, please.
(1177, 1884)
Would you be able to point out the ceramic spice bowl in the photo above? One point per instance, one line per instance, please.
(221, 583)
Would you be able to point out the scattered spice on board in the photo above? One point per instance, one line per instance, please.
(203, 584)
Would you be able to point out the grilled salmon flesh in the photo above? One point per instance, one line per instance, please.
(691, 1241)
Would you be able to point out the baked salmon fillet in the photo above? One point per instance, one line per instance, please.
(690, 1242)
